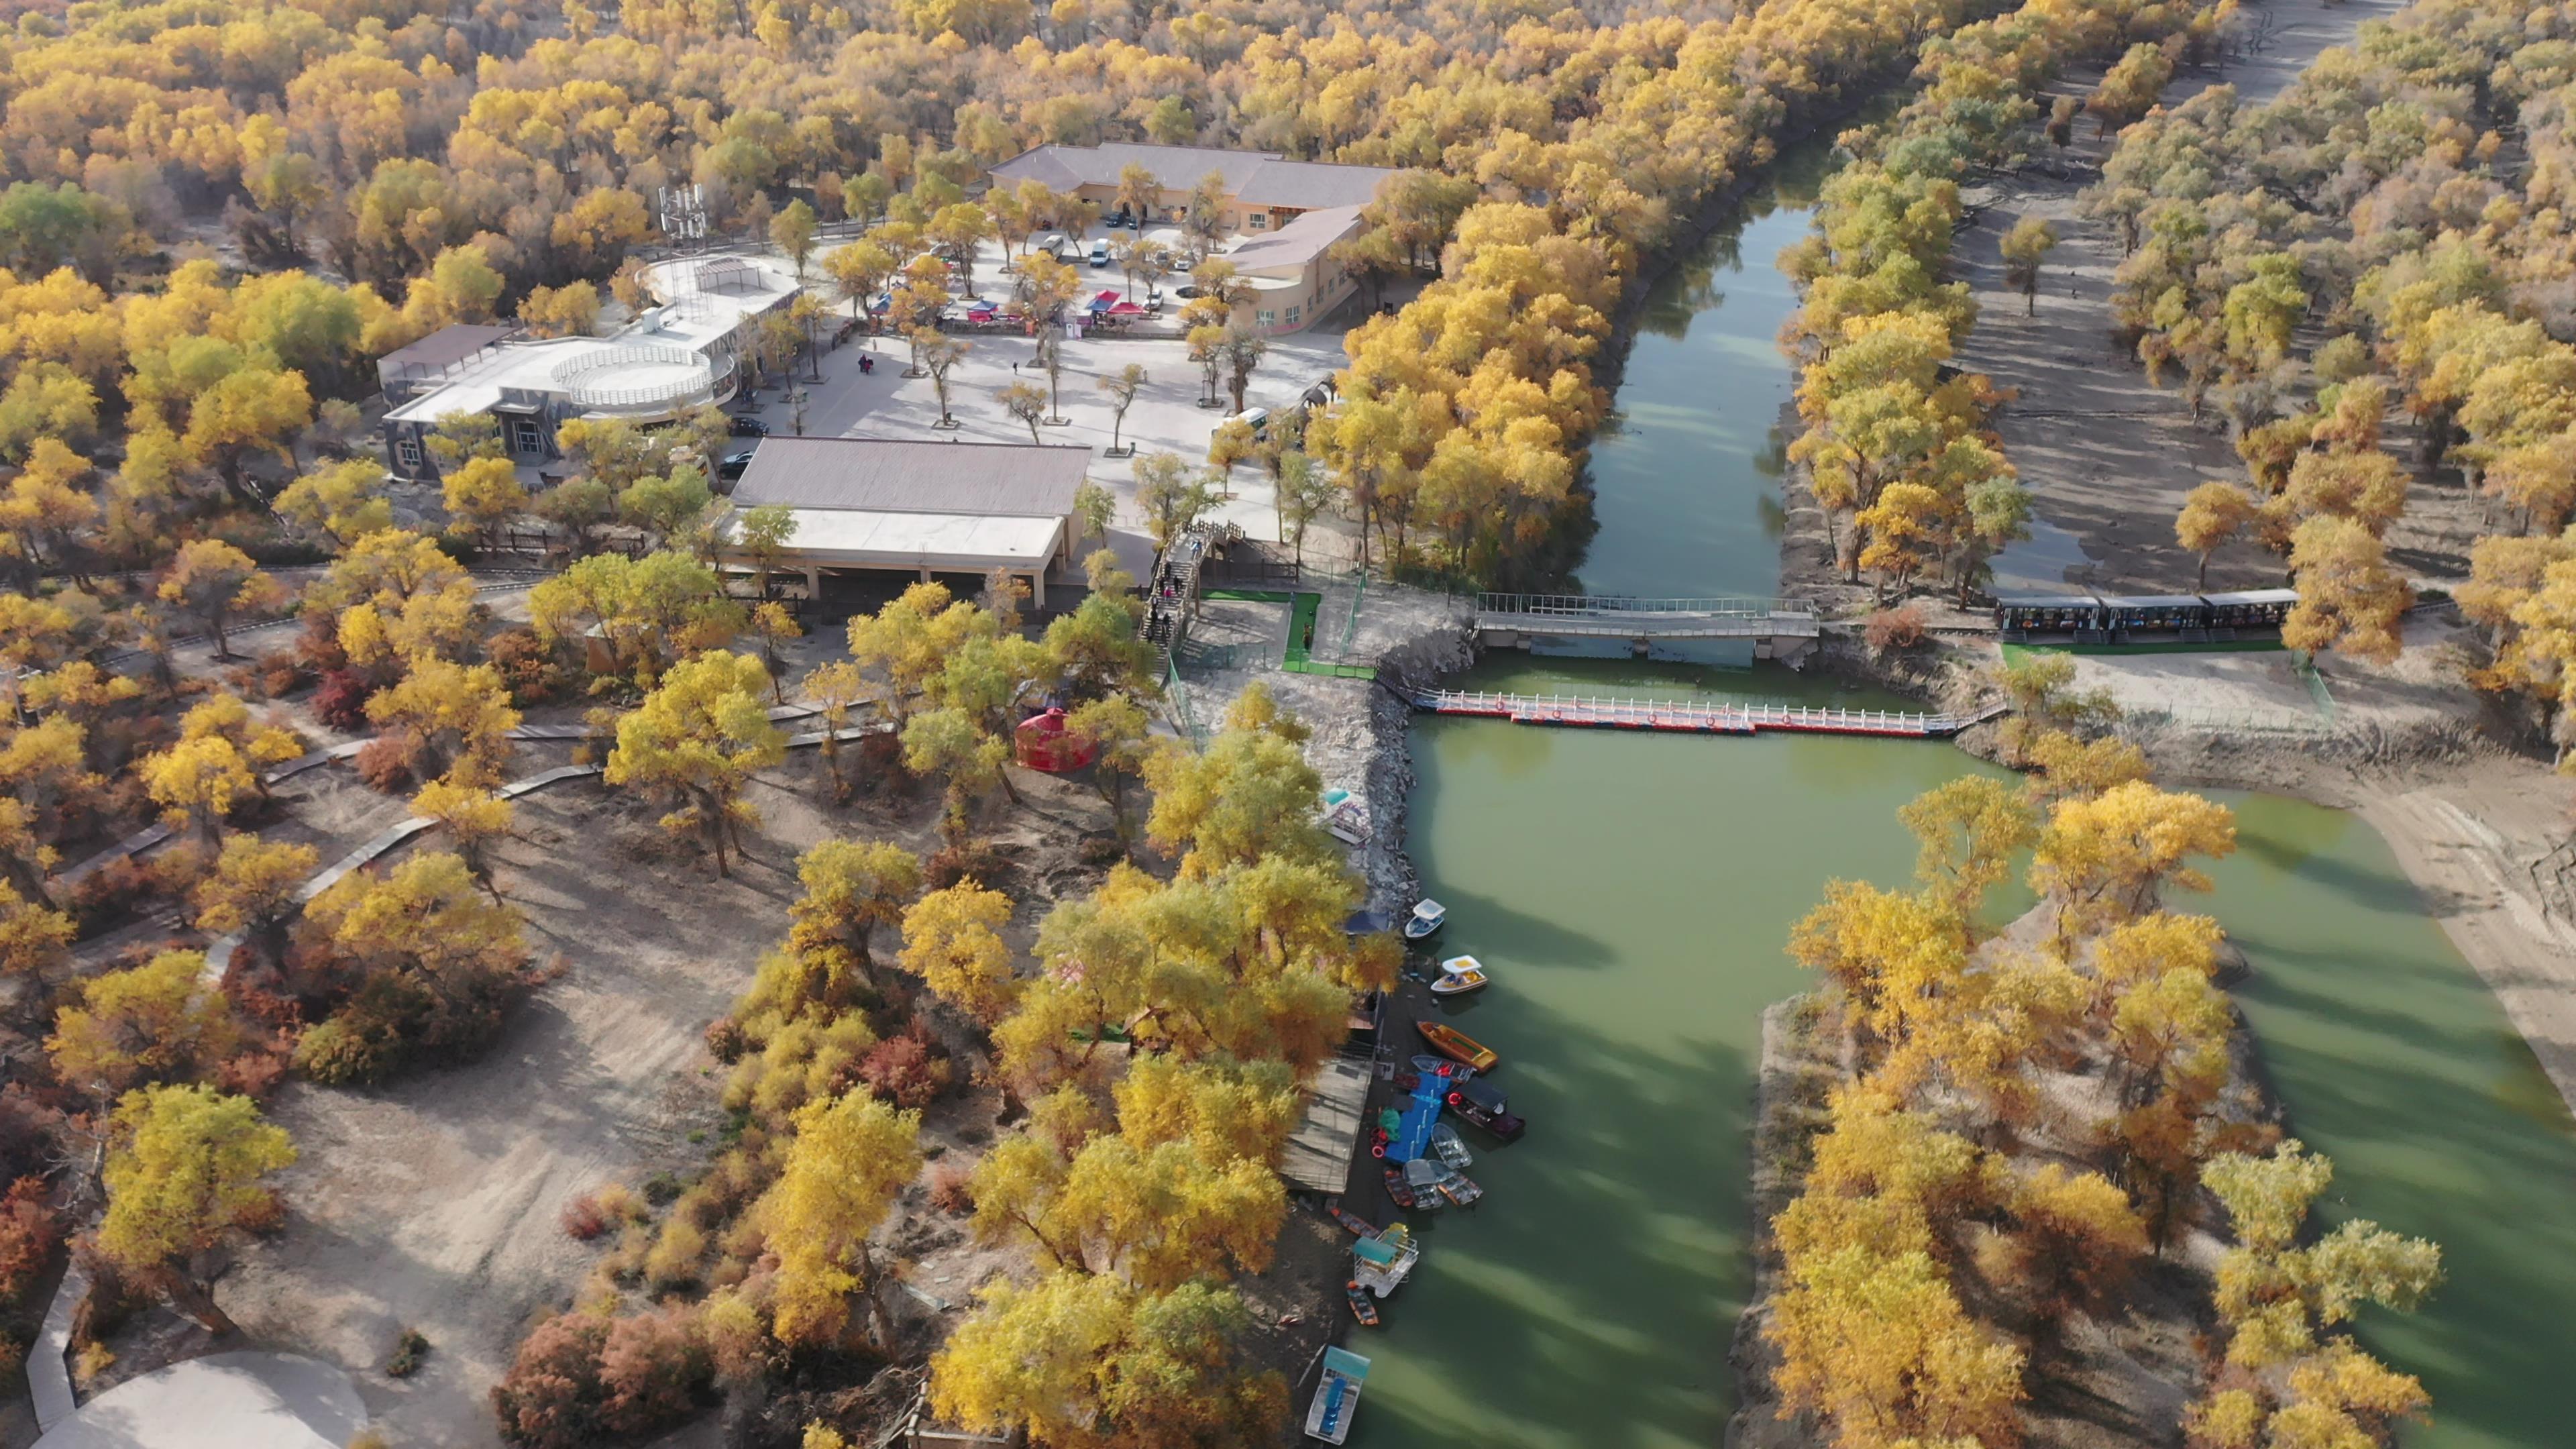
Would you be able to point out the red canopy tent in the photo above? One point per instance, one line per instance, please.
(1044, 742)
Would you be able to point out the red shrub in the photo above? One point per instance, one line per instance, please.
(528, 668)
(341, 702)
(584, 1219)
(652, 1370)
(1891, 629)
(317, 646)
(907, 1070)
(725, 1040)
(952, 1187)
(550, 1397)
(28, 1232)
(253, 1074)
(385, 764)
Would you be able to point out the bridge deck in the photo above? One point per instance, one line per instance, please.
(1691, 716)
(1616, 617)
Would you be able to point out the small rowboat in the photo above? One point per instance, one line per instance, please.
(1425, 922)
(1396, 1190)
(1361, 1308)
(1354, 1221)
(1431, 1066)
(1450, 1148)
(1456, 1045)
(1460, 1189)
(1460, 975)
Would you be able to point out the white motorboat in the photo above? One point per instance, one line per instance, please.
(1425, 922)
(1450, 1148)
(1460, 975)
(1337, 1396)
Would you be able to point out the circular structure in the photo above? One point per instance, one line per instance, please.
(636, 377)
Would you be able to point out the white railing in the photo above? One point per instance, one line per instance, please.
(695, 386)
(1732, 717)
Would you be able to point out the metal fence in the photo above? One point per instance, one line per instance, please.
(1583, 605)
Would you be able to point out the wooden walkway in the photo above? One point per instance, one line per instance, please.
(1682, 716)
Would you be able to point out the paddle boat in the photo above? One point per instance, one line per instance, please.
(1484, 1104)
(1361, 1308)
(1451, 1148)
(1346, 817)
(1380, 1264)
(1460, 975)
(1337, 1396)
(1456, 1045)
(1425, 922)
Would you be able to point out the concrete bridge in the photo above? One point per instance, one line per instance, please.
(1781, 629)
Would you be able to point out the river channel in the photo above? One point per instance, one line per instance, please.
(1632, 894)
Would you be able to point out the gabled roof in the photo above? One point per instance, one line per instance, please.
(1297, 243)
(906, 475)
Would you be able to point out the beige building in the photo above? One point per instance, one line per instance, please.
(919, 507)
(1281, 216)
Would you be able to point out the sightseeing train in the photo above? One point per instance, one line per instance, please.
(2100, 619)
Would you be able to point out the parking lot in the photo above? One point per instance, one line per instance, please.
(1165, 417)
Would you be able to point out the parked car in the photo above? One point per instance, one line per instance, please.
(743, 427)
(730, 467)
(1100, 251)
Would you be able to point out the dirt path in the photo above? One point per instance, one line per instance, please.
(2109, 456)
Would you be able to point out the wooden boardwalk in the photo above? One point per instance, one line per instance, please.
(1683, 716)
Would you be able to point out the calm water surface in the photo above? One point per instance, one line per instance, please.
(1633, 893)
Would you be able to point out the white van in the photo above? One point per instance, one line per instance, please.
(1258, 419)
(1052, 244)
(1100, 251)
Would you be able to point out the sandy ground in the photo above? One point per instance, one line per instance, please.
(2109, 456)
(433, 1204)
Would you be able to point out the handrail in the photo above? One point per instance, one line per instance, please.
(1582, 604)
(1734, 717)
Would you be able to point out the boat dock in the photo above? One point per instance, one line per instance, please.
(1781, 629)
(1685, 716)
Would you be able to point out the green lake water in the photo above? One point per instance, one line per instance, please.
(1632, 894)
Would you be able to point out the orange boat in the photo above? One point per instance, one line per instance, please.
(1456, 1045)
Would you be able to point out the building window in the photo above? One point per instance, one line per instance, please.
(1261, 221)
(407, 452)
(1294, 313)
(1267, 318)
(523, 432)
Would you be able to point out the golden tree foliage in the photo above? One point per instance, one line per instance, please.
(844, 1164)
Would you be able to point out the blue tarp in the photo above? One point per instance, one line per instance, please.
(1412, 1135)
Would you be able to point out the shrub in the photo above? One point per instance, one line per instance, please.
(725, 1039)
(317, 646)
(952, 1187)
(341, 701)
(28, 1232)
(355, 1048)
(1100, 850)
(622, 1204)
(550, 1398)
(975, 860)
(528, 668)
(907, 1070)
(674, 1259)
(1892, 629)
(583, 1218)
(252, 1074)
(661, 1188)
(385, 764)
(652, 1369)
(410, 1351)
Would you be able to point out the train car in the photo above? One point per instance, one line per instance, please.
(2152, 614)
(2248, 609)
(2019, 616)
